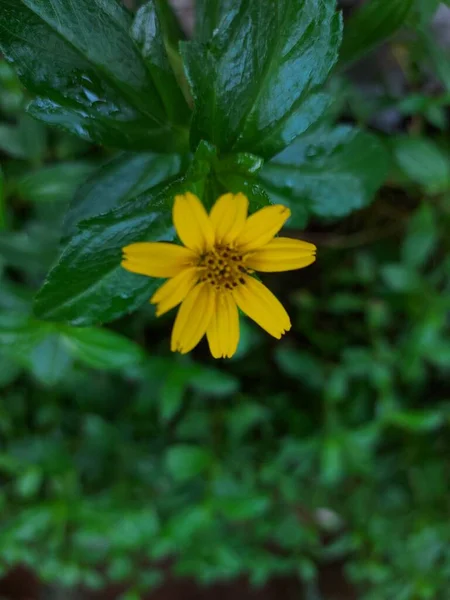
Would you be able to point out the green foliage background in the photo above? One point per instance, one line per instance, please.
(329, 445)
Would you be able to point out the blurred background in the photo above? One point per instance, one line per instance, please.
(315, 468)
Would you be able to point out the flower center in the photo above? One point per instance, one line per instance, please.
(223, 267)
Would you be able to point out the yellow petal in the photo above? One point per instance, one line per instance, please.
(193, 318)
(282, 254)
(256, 301)
(262, 227)
(192, 223)
(228, 217)
(156, 259)
(174, 291)
(223, 330)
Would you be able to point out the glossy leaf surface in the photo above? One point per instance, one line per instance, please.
(88, 284)
(329, 172)
(86, 73)
(120, 179)
(257, 82)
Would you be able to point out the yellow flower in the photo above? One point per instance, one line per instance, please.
(211, 275)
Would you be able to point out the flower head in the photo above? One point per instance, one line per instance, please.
(211, 275)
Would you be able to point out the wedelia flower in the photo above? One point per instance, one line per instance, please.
(211, 276)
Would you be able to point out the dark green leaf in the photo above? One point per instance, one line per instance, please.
(15, 297)
(331, 461)
(422, 12)
(209, 13)
(26, 140)
(172, 393)
(300, 365)
(88, 286)
(244, 509)
(416, 421)
(245, 416)
(212, 382)
(124, 177)
(329, 172)
(423, 162)
(50, 361)
(53, 184)
(29, 482)
(2, 202)
(185, 462)
(438, 55)
(237, 173)
(421, 237)
(374, 22)
(148, 34)
(400, 278)
(101, 348)
(32, 250)
(257, 82)
(9, 371)
(87, 74)
(34, 345)
(19, 334)
(11, 91)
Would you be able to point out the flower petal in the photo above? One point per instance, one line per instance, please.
(282, 254)
(174, 291)
(262, 227)
(228, 217)
(223, 330)
(258, 302)
(193, 318)
(192, 223)
(156, 259)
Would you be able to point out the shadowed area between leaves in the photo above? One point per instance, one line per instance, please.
(21, 584)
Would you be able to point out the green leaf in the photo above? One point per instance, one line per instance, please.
(185, 462)
(400, 278)
(329, 172)
(122, 178)
(25, 140)
(53, 184)
(238, 173)
(212, 382)
(88, 286)
(19, 334)
(2, 202)
(28, 483)
(370, 25)
(35, 346)
(300, 365)
(331, 461)
(417, 421)
(148, 35)
(31, 250)
(257, 81)
(421, 237)
(101, 348)
(245, 416)
(11, 91)
(9, 371)
(50, 360)
(208, 15)
(422, 12)
(437, 54)
(87, 74)
(423, 162)
(244, 509)
(174, 385)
